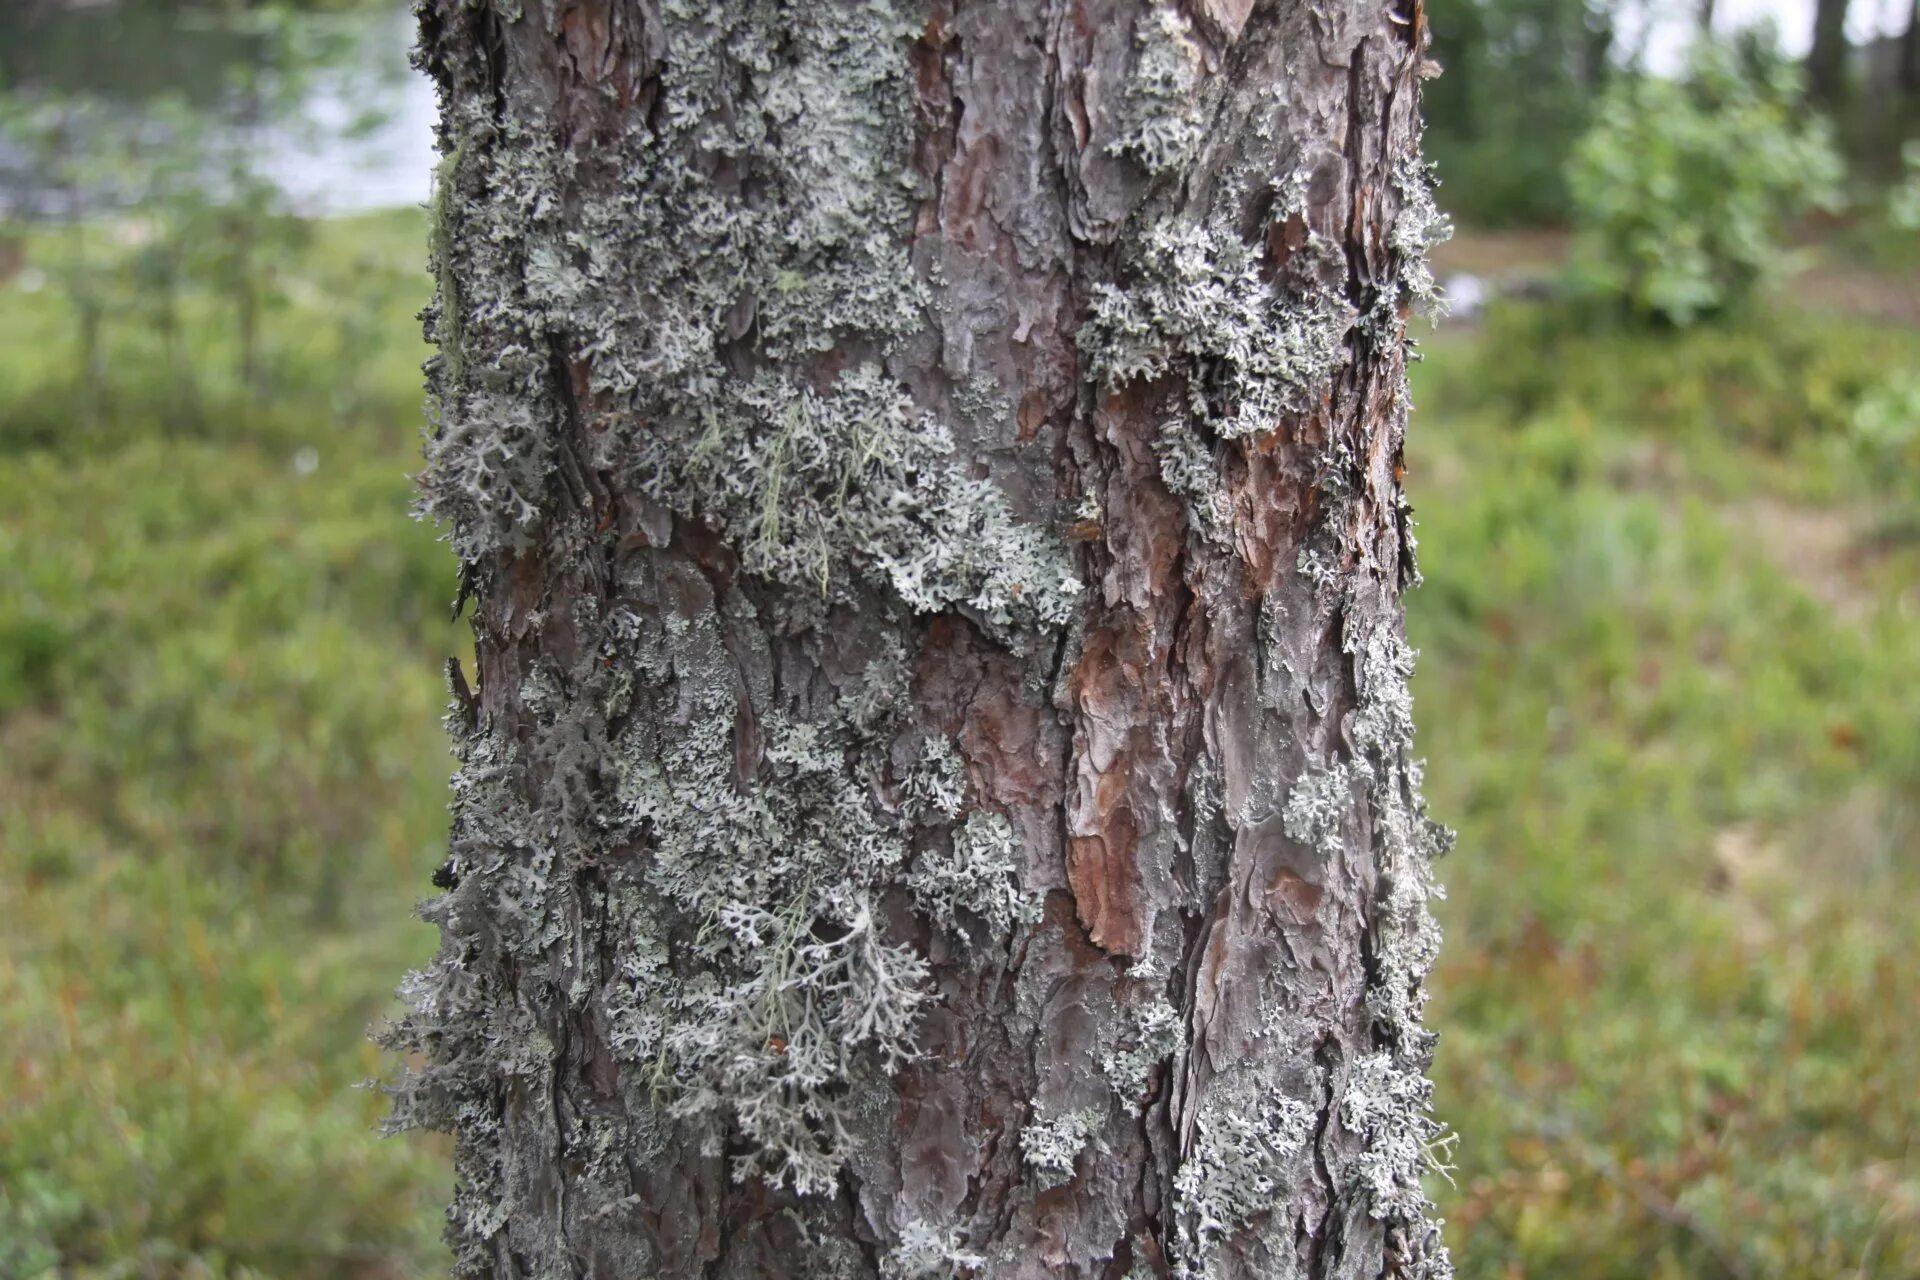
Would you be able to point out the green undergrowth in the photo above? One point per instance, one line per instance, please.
(221, 781)
(1666, 694)
(1667, 697)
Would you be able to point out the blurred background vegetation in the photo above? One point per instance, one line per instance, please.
(1667, 462)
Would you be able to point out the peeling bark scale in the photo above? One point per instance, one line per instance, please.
(935, 798)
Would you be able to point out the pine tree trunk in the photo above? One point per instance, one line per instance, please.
(936, 796)
(1827, 55)
(1910, 53)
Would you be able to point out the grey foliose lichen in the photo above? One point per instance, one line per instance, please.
(1162, 124)
(1191, 473)
(926, 1251)
(1318, 804)
(1392, 1104)
(759, 985)
(1051, 1146)
(1417, 228)
(1384, 1097)
(1156, 1035)
(1252, 347)
(1387, 1098)
(796, 979)
(856, 480)
(1244, 1147)
(979, 876)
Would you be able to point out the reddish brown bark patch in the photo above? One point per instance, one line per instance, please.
(1103, 867)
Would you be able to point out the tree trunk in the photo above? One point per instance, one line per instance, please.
(1827, 56)
(936, 798)
(1910, 53)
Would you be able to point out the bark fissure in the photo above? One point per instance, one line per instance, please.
(936, 797)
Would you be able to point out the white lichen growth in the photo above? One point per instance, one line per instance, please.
(654, 287)
(1252, 349)
(797, 980)
(1190, 471)
(981, 399)
(1417, 228)
(1052, 1146)
(1156, 1036)
(818, 488)
(980, 876)
(937, 784)
(1243, 1151)
(1318, 805)
(929, 1252)
(1163, 126)
(697, 312)
(1384, 719)
(1387, 1099)
(1391, 1107)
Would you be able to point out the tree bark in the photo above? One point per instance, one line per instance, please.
(1827, 55)
(937, 794)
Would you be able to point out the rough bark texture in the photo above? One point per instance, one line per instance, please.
(936, 795)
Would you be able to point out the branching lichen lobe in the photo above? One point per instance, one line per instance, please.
(929, 477)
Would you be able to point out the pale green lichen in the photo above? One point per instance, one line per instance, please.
(858, 481)
(1417, 228)
(1241, 1161)
(980, 399)
(1318, 805)
(1052, 1146)
(700, 307)
(1384, 719)
(1190, 471)
(1251, 350)
(925, 1251)
(1387, 1099)
(979, 876)
(441, 210)
(1391, 1106)
(1156, 1035)
(1162, 122)
(796, 978)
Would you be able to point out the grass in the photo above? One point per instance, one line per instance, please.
(1682, 751)
(1666, 694)
(221, 783)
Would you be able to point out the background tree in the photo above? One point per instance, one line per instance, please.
(937, 793)
(1910, 53)
(1827, 54)
(1524, 75)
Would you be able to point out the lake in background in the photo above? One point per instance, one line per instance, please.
(354, 133)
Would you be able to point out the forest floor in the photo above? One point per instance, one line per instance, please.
(1862, 270)
(1667, 694)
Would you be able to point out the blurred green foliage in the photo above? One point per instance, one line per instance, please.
(1520, 79)
(222, 776)
(1903, 198)
(1886, 436)
(203, 227)
(1666, 694)
(1684, 190)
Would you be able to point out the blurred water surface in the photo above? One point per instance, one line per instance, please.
(322, 104)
